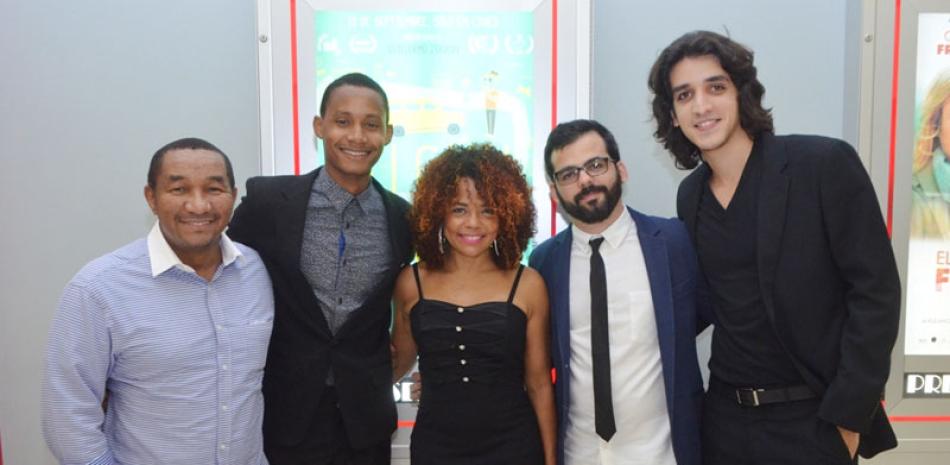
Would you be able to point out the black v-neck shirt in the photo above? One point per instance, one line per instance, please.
(745, 349)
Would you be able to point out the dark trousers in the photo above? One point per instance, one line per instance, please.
(326, 442)
(788, 433)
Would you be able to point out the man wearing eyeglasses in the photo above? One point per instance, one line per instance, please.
(623, 293)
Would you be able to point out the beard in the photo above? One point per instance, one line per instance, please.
(598, 211)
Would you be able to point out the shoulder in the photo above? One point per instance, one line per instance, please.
(252, 259)
(668, 227)
(533, 290)
(391, 198)
(531, 279)
(406, 290)
(266, 186)
(127, 259)
(805, 148)
(543, 251)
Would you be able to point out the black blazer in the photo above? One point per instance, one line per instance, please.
(270, 219)
(827, 274)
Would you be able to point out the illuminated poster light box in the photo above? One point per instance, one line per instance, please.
(455, 73)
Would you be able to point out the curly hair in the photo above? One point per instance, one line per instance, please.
(736, 60)
(931, 116)
(498, 179)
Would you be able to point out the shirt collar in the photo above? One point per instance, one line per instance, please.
(337, 195)
(162, 257)
(613, 235)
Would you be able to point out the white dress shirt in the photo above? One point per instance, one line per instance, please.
(636, 372)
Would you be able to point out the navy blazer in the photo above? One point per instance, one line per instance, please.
(675, 285)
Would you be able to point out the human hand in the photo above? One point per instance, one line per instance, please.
(851, 439)
(415, 392)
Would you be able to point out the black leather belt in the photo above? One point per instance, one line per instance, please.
(754, 397)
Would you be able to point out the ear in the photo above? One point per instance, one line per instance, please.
(389, 134)
(150, 199)
(318, 126)
(676, 122)
(622, 169)
(552, 193)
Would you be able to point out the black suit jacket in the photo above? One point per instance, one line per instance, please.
(302, 350)
(827, 274)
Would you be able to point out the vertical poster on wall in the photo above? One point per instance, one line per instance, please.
(451, 78)
(927, 330)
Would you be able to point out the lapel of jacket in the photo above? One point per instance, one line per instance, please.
(397, 223)
(656, 258)
(689, 205)
(291, 217)
(773, 196)
(560, 269)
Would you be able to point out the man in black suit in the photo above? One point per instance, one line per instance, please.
(333, 241)
(791, 240)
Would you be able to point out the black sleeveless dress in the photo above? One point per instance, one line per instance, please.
(474, 409)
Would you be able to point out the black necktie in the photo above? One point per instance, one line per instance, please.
(600, 344)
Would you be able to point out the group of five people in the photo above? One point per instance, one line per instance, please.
(159, 352)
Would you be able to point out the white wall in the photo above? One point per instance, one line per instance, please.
(800, 52)
(88, 91)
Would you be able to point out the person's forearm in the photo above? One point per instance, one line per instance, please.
(541, 394)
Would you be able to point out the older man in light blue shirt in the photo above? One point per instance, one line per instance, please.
(170, 330)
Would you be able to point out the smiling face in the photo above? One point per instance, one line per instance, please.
(590, 199)
(470, 225)
(192, 199)
(354, 130)
(706, 106)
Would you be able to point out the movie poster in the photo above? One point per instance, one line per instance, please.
(928, 268)
(451, 78)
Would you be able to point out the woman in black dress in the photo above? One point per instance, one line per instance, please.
(477, 318)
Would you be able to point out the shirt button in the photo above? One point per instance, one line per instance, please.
(458, 329)
(461, 346)
(224, 367)
(218, 327)
(224, 408)
(462, 361)
(224, 446)
(461, 310)
(465, 379)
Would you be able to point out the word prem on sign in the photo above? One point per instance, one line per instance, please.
(927, 385)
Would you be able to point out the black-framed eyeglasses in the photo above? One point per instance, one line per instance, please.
(594, 167)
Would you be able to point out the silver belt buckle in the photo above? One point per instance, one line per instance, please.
(753, 394)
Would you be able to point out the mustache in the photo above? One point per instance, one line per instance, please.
(588, 190)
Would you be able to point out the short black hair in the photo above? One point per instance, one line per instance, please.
(187, 143)
(736, 60)
(358, 80)
(566, 133)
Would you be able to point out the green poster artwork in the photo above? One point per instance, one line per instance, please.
(451, 78)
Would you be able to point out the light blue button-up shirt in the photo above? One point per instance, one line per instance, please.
(181, 358)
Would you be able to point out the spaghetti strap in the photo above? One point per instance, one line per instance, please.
(514, 287)
(415, 271)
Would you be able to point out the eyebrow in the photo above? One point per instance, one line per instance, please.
(178, 177)
(716, 78)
